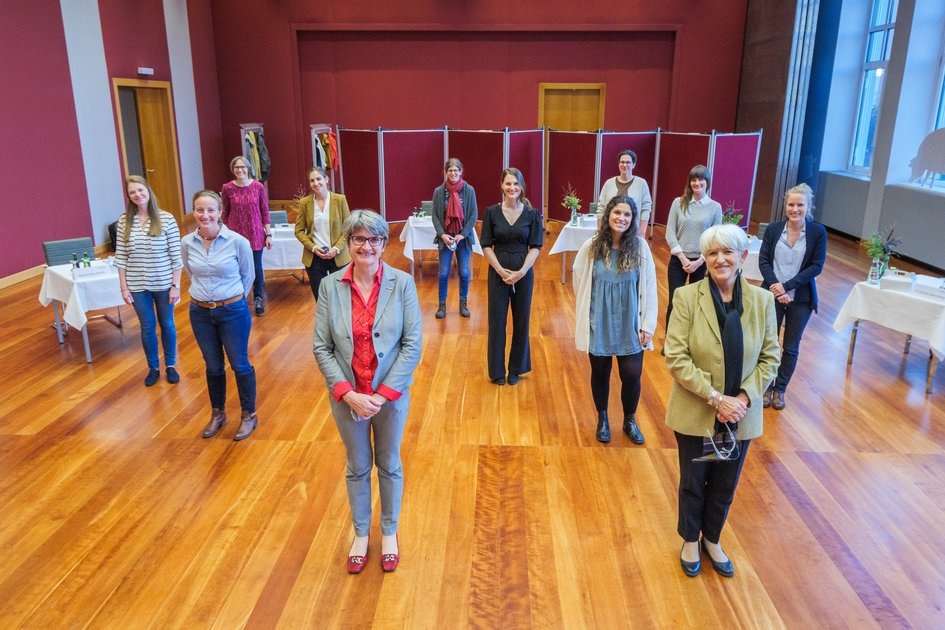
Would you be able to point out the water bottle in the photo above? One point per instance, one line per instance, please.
(75, 260)
(86, 261)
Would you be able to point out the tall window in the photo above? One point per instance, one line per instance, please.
(878, 44)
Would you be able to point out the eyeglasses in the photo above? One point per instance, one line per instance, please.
(375, 241)
(240, 168)
(719, 447)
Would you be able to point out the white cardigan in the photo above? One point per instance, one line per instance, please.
(639, 191)
(583, 281)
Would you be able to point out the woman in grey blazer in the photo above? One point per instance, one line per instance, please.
(367, 345)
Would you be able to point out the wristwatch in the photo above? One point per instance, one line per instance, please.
(176, 286)
(268, 234)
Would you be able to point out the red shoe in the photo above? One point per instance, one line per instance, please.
(356, 563)
(389, 561)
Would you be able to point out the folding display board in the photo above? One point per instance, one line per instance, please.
(413, 168)
(481, 153)
(526, 153)
(572, 162)
(679, 152)
(642, 143)
(360, 168)
(734, 165)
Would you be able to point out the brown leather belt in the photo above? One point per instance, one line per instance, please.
(212, 305)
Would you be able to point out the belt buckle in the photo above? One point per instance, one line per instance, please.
(213, 305)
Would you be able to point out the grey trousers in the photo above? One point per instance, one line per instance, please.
(388, 431)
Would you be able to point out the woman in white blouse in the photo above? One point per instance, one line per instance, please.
(149, 268)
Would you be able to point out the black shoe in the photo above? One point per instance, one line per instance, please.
(152, 377)
(777, 400)
(260, 309)
(603, 427)
(725, 569)
(499, 381)
(441, 311)
(463, 309)
(172, 375)
(512, 379)
(631, 429)
(690, 568)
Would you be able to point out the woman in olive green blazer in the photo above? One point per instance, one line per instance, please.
(324, 248)
(696, 344)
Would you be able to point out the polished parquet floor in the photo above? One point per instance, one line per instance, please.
(114, 513)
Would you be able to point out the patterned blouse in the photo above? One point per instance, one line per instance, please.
(246, 211)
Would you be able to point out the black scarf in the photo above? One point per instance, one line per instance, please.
(730, 324)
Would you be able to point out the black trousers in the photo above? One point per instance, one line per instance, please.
(501, 297)
(795, 317)
(706, 490)
(630, 368)
(317, 272)
(676, 277)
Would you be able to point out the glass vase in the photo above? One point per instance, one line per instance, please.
(876, 272)
(574, 217)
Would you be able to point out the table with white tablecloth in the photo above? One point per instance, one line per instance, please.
(419, 235)
(909, 313)
(81, 295)
(286, 252)
(571, 238)
(750, 269)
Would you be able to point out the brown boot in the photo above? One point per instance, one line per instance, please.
(777, 400)
(463, 310)
(217, 422)
(248, 422)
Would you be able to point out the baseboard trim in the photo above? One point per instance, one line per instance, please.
(21, 276)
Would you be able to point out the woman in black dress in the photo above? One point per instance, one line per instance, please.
(511, 238)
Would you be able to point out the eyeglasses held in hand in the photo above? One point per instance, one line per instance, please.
(375, 241)
(719, 447)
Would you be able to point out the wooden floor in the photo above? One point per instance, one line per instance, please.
(116, 514)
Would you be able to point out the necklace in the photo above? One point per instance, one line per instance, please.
(207, 238)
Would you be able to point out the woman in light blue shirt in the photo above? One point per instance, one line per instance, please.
(220, 265)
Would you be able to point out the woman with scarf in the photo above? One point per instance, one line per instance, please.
(722, 351)
(454, 219)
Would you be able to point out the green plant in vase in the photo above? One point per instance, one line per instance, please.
(571, 202)
(880, 247)
(731, 214)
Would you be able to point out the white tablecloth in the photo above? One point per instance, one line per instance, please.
(286, 252)
(573, 236)
(419, 234)
(750, 269)
(82, 295)
(908, 313)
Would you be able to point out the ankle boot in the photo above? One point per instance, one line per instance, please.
(631, 429)
(463, 310)
(217, 422)
(441, 311)
(603, 427)
(248, 423)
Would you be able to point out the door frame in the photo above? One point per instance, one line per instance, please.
(165, 87)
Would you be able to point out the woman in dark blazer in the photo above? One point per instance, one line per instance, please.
(367, 345)
(454, 218)
(318, 228)
(792, 256)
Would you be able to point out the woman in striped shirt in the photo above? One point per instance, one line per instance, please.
(149, 269)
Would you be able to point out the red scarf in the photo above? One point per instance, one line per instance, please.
(454, 209)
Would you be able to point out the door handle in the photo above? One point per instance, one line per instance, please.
(149, 170)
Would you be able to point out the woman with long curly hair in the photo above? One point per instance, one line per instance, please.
(616, 310)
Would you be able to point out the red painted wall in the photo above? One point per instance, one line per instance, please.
(41, 177)
(204, 57)
(261, 79)
(135, 36)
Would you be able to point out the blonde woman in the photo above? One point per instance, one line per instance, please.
(149, 268)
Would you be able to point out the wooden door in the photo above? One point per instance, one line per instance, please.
(570, 107)
(152, 146)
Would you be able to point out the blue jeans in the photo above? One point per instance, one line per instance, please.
(145, 304)
(259, 282)
(462, 252)
(226, 330)
(388, 428)
(795, 317)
